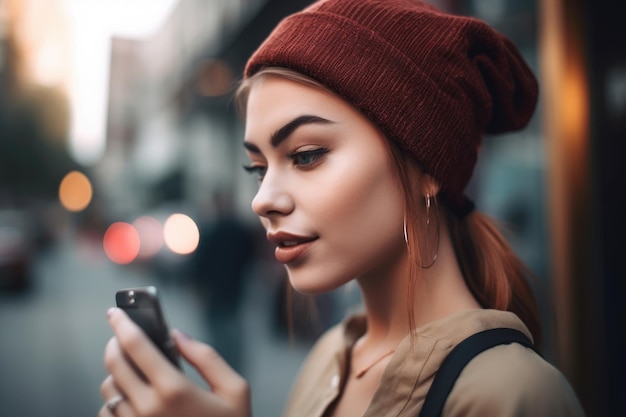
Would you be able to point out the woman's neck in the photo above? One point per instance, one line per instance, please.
(439, 292)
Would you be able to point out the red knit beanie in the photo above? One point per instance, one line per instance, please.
(433, 82)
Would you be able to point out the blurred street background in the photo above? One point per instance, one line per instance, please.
(120, 166)
(52, 337)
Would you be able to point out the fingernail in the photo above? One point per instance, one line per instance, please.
(110, 312)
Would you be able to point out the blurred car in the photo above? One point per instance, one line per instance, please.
(16, 250)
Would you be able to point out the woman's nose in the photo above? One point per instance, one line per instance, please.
(272, 198)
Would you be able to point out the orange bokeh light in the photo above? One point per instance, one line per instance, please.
(75, 191)
(121, 243)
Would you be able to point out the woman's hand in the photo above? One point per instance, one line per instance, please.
(164, 391)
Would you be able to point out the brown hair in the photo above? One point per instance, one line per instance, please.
(494, 274)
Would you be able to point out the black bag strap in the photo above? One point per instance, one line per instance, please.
(460, 356)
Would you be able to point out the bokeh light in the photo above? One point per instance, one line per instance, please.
(75, 191)
(181, 234)
(150, 236)
(121, 243)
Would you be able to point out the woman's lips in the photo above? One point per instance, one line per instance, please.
(286, 254)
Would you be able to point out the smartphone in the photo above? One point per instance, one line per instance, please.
(143, 306)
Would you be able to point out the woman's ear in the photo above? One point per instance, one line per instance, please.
(430, 186)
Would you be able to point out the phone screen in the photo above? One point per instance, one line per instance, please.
(143, 306)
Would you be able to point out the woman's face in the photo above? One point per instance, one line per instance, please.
(328, 194)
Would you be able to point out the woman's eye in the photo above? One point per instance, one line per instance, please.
(304, 159)
(257, 170)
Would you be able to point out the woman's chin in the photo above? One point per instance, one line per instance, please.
(312, 284)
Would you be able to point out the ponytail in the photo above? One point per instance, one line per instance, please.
(494, 274)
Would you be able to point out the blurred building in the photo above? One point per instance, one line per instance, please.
(34, 110)
(34, 124)
(172, 133)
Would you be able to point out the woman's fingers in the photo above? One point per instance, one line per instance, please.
(108, 388)
(165, 390)
(116, 406)
(126, 377)
(158, 371)
(114, 401)
(225, 382)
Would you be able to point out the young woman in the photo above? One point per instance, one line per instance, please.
(363, 121)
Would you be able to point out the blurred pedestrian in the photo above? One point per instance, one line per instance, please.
(363, 123)
(219, 268)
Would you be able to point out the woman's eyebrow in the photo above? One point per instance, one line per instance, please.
(284, 132)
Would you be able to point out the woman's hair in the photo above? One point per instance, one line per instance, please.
(241, 94)
(494, 274)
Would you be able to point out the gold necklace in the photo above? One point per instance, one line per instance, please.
(362, 372)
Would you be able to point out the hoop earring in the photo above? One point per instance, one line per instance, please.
(406, 237)
(429, 204)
